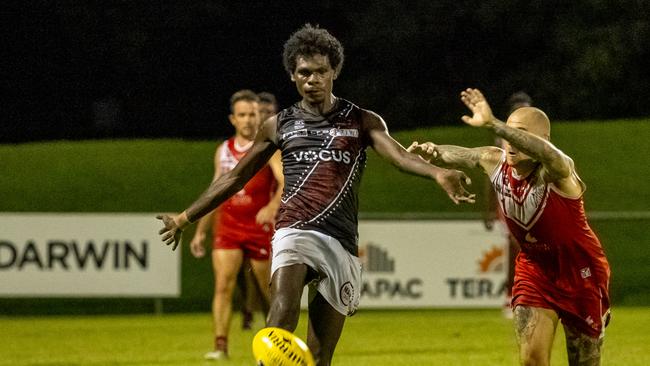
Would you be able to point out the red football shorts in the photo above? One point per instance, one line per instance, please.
(256, 247)
(586, 310)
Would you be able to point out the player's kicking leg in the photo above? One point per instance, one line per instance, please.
(287, 284)
(535, 330)
(325, 326)
(582, 349)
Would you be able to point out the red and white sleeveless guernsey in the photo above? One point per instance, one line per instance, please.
(234, 220)
(562, 265)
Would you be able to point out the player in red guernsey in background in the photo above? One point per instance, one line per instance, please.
(242, 225)
(251, 297)
(561, 272)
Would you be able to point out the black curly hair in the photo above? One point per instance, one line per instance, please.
(309, 41)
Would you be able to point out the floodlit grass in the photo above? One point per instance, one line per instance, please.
(414, 337)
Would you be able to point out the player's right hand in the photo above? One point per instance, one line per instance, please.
(196, 245)
(453, 181)
(171, 233)
(476, 102)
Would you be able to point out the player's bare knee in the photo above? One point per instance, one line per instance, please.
(223, 288)
(283, 313)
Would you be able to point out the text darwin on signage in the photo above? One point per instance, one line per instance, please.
(82, 255)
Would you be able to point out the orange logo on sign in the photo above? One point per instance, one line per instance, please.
(492, 261)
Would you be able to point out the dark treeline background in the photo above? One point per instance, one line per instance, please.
(85, 69)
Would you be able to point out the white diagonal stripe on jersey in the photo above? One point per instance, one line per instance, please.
(285, 200)
(343, 189)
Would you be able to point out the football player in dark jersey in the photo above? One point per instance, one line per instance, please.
(323, 139)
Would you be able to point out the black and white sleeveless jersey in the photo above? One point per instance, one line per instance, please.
(323, 158)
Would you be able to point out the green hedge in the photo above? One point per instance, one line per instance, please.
(167, 175)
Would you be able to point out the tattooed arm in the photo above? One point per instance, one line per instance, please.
(529, 133)
(451, 181)
(458, 157)
(555, 162)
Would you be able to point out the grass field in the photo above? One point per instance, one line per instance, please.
(378, 338)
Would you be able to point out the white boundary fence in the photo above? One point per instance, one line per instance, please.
(417, 260)
(437, 259)
(596, 215)
(85, 255)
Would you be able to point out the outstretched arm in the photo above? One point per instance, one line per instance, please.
(197, 247)
(450, 156)
(224, 187)
(557, 165)
(450, 180)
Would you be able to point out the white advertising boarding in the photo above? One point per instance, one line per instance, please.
(432, 263)
(85, 255)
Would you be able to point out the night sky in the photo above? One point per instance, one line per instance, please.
(128, 69)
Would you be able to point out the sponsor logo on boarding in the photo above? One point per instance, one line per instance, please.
(481, 286)
(493, 260)
(376, 259)
(68, 255)
(383, 282)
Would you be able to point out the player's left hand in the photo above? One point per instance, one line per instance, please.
(453, 181)
(266, 215)
(426, 151)
(171, 233)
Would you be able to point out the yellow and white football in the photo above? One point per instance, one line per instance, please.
(279, 347)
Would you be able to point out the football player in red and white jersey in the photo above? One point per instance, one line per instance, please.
(243, 225)
(268, 107)
(561, 273)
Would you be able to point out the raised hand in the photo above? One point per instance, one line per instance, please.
(171, 233)
(452, 181)
(476, 102)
